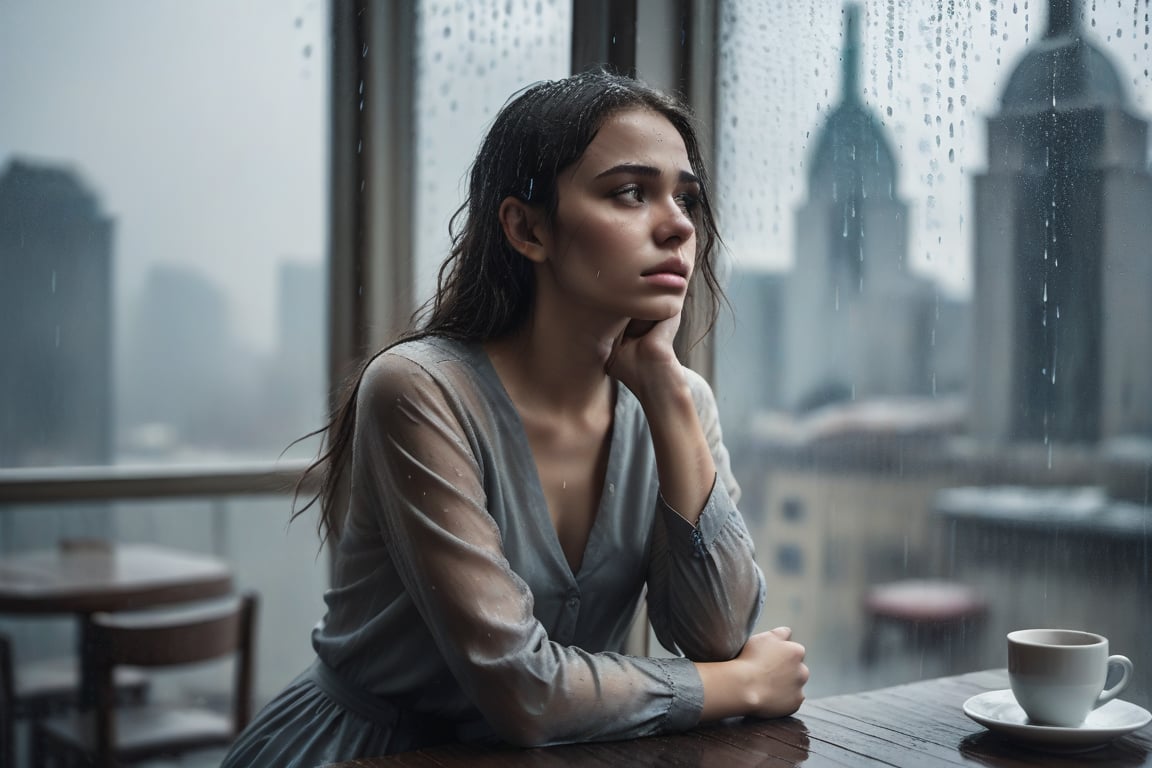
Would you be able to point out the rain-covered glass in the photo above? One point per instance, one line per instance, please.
(470, 58)
(163, 230)
(936, 380)
(163, 199)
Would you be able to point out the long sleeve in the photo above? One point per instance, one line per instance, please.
(705, 591)
(416, 461)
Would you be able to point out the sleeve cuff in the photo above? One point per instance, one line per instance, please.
(687, 694)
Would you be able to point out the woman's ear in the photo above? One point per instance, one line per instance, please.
(523, 227)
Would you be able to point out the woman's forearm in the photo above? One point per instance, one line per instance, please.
(684, 462)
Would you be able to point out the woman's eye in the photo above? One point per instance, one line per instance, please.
(688, 202)
(632, 193)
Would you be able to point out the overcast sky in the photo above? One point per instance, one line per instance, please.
(202, 125)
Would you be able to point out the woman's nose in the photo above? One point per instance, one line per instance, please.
(676, 224)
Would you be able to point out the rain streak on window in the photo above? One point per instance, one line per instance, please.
(936, 219)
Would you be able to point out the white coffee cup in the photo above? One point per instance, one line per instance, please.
(1058, 675)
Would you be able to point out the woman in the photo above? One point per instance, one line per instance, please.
(522, 467)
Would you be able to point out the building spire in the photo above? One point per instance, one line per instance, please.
(850, 58)
(1063, 17)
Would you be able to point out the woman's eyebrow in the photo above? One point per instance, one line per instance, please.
(636, 169)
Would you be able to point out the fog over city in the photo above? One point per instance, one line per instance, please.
(213, 154)
(205, 144)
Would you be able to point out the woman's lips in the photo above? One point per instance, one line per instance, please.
(670, 273)
(666, 279)
(673, 266)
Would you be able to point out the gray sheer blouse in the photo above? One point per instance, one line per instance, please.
(452, 596)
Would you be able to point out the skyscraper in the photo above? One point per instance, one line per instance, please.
(56, 319)
(1063, 273)
(857, 322)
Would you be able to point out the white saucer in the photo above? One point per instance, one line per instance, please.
(998, 711)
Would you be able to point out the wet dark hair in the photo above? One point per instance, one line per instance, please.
(486, 289)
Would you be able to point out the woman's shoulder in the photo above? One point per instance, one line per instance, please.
(413, 365)
(427, 353)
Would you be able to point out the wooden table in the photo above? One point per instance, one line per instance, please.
(123, 577)
(126, 577)
(919, 725)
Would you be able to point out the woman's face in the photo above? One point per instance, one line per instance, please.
(623, 241)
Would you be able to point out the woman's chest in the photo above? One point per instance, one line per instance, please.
(570, 601)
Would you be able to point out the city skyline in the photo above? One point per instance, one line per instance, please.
(784, 60)
(208, 147)
(215, 173)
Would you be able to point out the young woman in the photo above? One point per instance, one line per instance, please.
(531, 460)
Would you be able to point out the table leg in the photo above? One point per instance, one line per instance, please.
(86, 654)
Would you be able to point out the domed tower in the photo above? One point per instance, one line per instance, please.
(850, 288)
(1063, 272)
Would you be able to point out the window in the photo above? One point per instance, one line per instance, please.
(792, 510)
(939, 344)
(470, 58)
(163, 231)
(163, 238)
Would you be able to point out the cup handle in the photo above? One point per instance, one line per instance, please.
(1108, 694)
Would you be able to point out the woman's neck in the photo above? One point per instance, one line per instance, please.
(555, 363)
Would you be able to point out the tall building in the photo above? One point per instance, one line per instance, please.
(1063, 273)
(56, 315)
(180, 360)
(857, 322)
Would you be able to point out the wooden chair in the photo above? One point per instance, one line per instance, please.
(113, 735)
(42, 689)
(48, 687)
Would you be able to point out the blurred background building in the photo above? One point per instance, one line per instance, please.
(1062, 269)
(56, 299)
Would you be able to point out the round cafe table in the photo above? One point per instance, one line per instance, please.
(122, 577)
(82, 580)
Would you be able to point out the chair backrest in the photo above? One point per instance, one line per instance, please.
(7, 706)
(170, 640)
